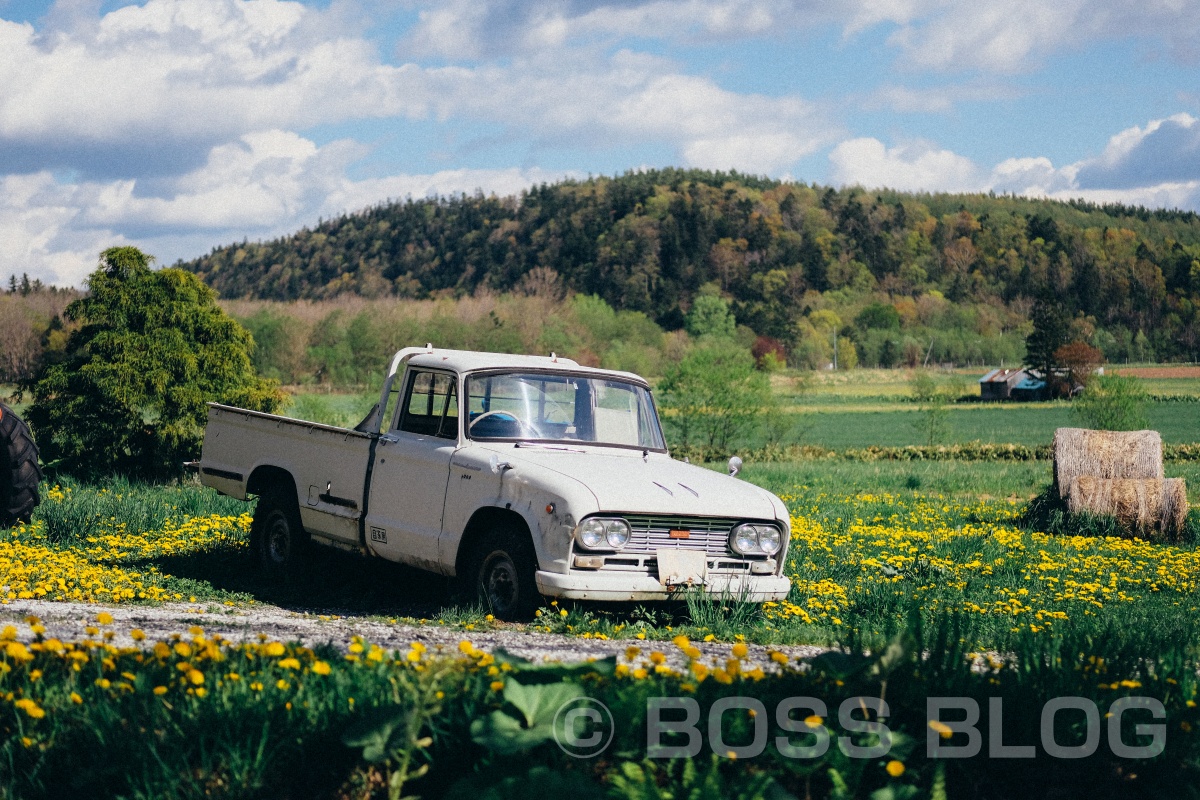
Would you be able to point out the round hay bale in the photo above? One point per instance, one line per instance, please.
(1140, 505)
(1105, 454)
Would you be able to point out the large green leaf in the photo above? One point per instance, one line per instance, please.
(533, 723)
(378, 732)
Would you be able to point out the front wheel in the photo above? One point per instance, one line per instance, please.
(503, 573)
(277, 538)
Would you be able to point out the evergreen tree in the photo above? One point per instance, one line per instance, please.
(1050, 331)
(130, 393)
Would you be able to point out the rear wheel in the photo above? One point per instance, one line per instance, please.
(19, 470)
(277, 538)
(503, 573)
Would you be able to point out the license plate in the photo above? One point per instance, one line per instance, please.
(682, 567)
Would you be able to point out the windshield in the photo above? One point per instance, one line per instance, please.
(538, 407)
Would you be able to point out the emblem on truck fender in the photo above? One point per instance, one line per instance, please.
(379, 535)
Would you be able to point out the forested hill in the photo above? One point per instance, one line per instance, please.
(647, 241)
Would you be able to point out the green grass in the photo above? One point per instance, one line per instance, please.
(823, 491)
(849, 426)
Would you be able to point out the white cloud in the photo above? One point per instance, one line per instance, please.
(39, 234)
(1012, 35)
(911, 167)
(630, 98)
(1002, 36)
(1166, 150)
(266, 184)
(1157, 166)
(200, 71)
(474, 29)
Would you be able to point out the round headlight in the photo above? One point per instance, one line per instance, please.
(745, 540)
(768, 539)
(617, 533)
(591, 534)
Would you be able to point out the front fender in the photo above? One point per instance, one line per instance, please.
(550, 503)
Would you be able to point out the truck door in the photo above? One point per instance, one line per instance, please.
(412, 464)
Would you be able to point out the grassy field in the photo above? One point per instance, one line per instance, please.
(122, 543)
(925, 564)
(894, 558)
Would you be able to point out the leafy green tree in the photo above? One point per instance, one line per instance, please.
(152, 348)
(883, 316)
(710, 316)
(1112, 403)
(714, 395)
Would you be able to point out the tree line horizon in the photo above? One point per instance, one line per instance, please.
(809, 273)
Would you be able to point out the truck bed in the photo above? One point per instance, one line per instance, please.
(328, 463)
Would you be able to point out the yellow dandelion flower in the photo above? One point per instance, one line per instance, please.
(104, 618)
(895, 768)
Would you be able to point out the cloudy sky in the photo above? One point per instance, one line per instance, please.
(180, 125)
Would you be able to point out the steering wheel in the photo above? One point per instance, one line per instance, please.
(524, 425)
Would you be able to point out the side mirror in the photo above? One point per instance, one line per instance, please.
(735, 466)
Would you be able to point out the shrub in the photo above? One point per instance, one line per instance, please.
(1112, 403)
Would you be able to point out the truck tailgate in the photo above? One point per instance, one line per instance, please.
(327, 464)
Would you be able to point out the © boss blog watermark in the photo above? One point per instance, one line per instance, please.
(676, 728)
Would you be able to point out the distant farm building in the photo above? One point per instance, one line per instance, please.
(1012, 384)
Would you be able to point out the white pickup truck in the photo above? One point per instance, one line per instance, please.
(524, 475)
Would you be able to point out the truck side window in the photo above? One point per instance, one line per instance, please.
(431, 406)
(449, 429)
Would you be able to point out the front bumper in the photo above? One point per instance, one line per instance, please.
(623, 586)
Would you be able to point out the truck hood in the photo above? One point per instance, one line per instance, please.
(625, 481)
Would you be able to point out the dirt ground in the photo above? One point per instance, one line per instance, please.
(67, 622)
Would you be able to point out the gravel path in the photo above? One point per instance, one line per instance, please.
(66, 622)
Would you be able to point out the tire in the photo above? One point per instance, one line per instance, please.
(503, 574)
(277, 539)
(19, 470)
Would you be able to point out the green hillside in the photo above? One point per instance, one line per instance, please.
(781, 252)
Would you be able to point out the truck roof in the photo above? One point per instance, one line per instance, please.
(472, 361)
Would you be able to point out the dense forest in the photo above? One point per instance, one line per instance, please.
(905, 277)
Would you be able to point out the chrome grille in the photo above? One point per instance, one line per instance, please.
(648, 534)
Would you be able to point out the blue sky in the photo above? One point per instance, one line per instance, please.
(181, 125)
